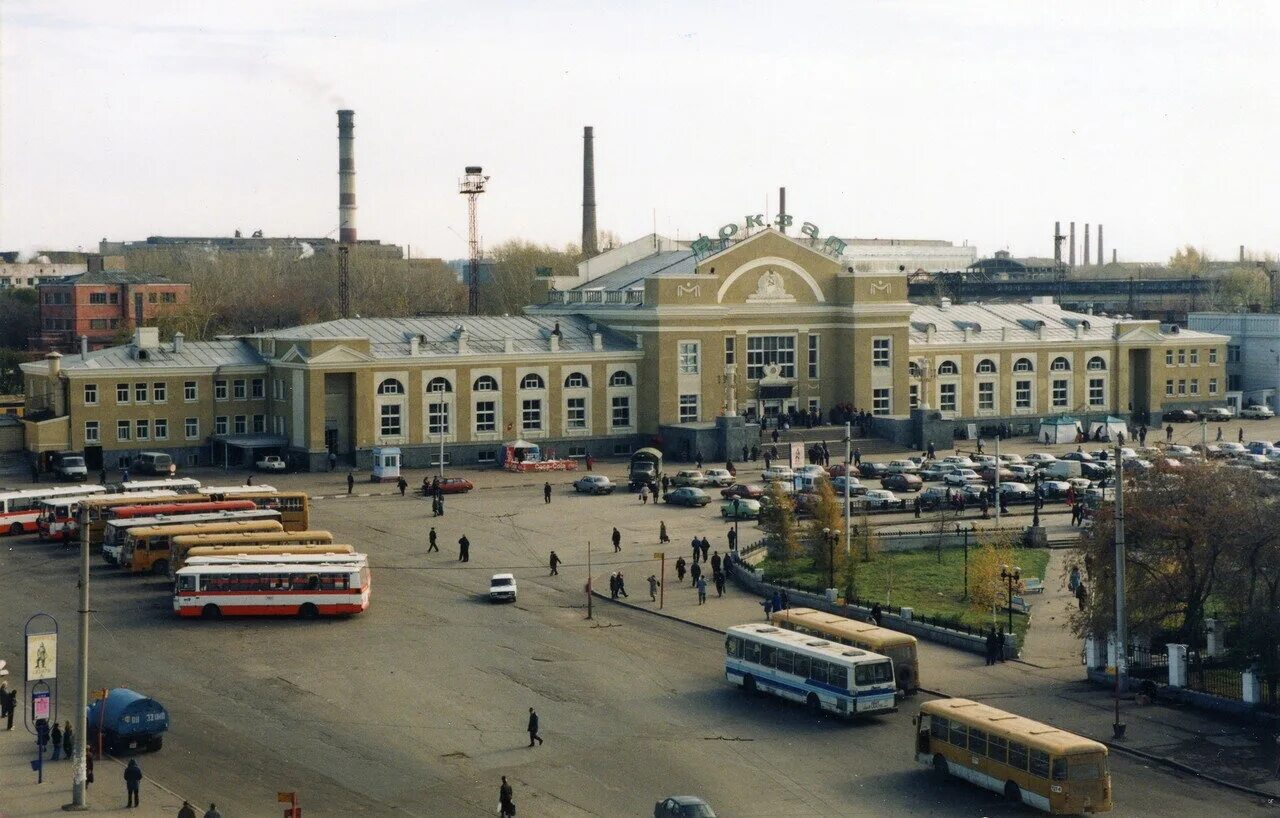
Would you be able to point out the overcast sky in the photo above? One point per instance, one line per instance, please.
(977, 122)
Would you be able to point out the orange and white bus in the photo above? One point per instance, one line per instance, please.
(117, 531)
(20, 510)
(900, 647)
(282, 542)
(98, 508)
(294, 506)
(60, 516)
(149, 550)
(271, 589)
(1026, 761)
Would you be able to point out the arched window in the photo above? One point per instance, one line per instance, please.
(1060, 365)
(391, 386)
(439, 385)
(1023, 365)
(986, 366)
(948, 368)
(576, 380)
(620, 378)
(1096, 364)
(485, 383)
(531, 381)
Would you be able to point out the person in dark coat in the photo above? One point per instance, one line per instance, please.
(706, 549)
(402, 484)
(662, 533)
(533, 727)
(695, 571)
(67, 737)
(777, 601)
(132, 782)
(431, 541)
(555, 561)
(187, 810)
(613, 586)
(464, 549)
(733, 540)
(506, 807)
(622, 585)
(876, 613)
(351, 482)
(616, 537)
(88, 766)
(212, 812)
(991, 647)
(680, 568)
(56, 738)
(718, 578)
(715, 563)
(786, 600)
(546, 492)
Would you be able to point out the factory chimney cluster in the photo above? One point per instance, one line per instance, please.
(1087, 254)
(346, 177)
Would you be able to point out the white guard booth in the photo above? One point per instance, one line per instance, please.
(386, 463)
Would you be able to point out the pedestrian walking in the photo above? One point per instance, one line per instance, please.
(932, 452)
(715, 563)
(979, 445)
(617, 540)
(622, 585)
(1082, 595)
(733, 540)
(666, 485)
(67, 738)
(88, 766)
(1168, 433)
(56, 737)
(124, 473)
(212, 812)
(132, 782)
(402, 484)
(755, 454)
(695, 571)
(680, 569)
(4, 703)
(187, 810)
(439, 502)
(706, 549)
(991, 647)
(702, 590)
(767, 604)
(431, 541)
(698, 460)
(464, 549)
(555, 561)
(1240, 435)
(644, 495)
(351, 482)
(1218, 439)
(1073, 581)
(876, 613)
(915, 505)
(333, 461)
(506, 807)
(857, 457)
(613, 586)
(533, 727)
(719, 582)
(546, 493)
(696, 545)
(784, 599)
(102, 477)
(1000, 646)
(662, 532)
(654, 584)
(590, 462)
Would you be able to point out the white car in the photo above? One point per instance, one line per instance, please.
(1023, 471)
(902, 467)
(1040, 457)
(984, 460)
(779, 473)
(937, 471)
(960, 460)
(1011, 458)
(1232, 449)
(876, 498)
(1080, 484)
(809, 470)
(719, 478)
(960, 477)
(1175, 450)
(689, 477)
(594, 484)
(271, 462)
(1258, 412)
(1217, 413)
(502, 588)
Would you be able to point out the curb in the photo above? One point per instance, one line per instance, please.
(1119, 748)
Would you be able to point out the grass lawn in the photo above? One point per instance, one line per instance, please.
(915, 579)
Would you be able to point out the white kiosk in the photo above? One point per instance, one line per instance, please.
(386, 463)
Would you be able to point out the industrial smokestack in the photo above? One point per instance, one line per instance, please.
(1071, 252)
(1086, 245)
(1101, 257)
(1057, 242)
(782, 209)
(346, 177)
(588, 192)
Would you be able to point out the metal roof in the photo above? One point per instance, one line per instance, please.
(194, 354)
(111, 277)
(1022, 321)
(672, 262)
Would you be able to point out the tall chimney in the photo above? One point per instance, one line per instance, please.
(346, 177)
(1101, 257)
(1057, 242)
(1086, 246)
(1113, 255)
(1071, 253)
(588, 192)
(782, 209)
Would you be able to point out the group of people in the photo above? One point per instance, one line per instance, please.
(1075, 584)
(701, 548)
(995, 646)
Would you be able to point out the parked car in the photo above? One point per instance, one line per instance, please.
(961, 476)
(876, 498)
(272, 462)
(1010, 458)
(849, 486)
(1257, 461)
(1083, 457)
(1258, 412)
(781, 473)
(934, 496)
(1023, 471)
(902, 467)
(594, 484)
(872, 470)
(740, 509)
(1177, 450)
(683, 806)
(1097, 470)
(1016, 491)
(1217, 413)
(718, 477)
(1055, 488)
(810, 470)
(937, 471)
(69, 466)
(1080, 484)
(689, 477)
(455, 485)
(153, 463)
(502, 588)
(743, 490)
(902, 481)
(959, 460)
(988, 475)
(1232, 449)
(688, 496)
(982, 461)
(1179, 416)
(1037, 458)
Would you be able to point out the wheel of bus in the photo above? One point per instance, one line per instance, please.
(814, 703)
(940, 765)
(1012, 792)
(211, 611)
(155, 743)
(308, 611)
(15, 529)
(749, 684)
(160, 568)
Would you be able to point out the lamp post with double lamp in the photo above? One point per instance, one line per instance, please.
(1010, 577)
(832, 535)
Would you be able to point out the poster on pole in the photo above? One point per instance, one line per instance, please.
(797, 455)
(42, 656)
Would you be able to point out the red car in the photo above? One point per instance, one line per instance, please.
(449, 485)
(742, 490)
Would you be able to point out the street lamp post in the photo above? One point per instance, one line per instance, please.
(1035, 505)
(966, 559)
(737, 501)
(1010, 577)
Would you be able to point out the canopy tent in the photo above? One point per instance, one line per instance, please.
(521, 451)
(1058, 430)
(1108, 429)
(523, 456)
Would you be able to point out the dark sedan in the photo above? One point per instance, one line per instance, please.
(688, 496)
(742, 490)
(1179, 416)
(902, 482)
(874, 470)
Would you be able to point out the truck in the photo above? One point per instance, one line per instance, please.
(69, 466)
(646, 467)
(1061, 469)
(127, 720)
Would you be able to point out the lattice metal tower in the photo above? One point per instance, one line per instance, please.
(471, 186)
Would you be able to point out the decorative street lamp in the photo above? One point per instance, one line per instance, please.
(1010, 577)
(832, 535)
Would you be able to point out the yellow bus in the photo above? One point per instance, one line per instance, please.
(900, 647)
(280, 542)
(294, 506)
(99, 508)
(150, 549)
(1029, 762)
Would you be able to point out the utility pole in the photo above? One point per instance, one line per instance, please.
(1122, 629)
(80, 774)
(848, 475)
(588, 579)
(997, 483)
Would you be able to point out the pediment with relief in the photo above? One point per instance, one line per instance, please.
(771, 289)
(340, 355)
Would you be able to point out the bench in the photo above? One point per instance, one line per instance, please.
(1033, 585)
(1020, 605)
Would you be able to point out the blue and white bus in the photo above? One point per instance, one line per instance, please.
(823, 674)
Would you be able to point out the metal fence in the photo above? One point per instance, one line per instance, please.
(1213, 676)
(1149, 663)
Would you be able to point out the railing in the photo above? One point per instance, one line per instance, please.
(623, 297)
(1149, 663)
(1213, 676)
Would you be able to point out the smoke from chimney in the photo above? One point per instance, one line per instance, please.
(588, 192)
(346, 177)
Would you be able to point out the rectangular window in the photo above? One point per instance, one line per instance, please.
(959, 734)
(764, 350)
(1195, 357)
(1213, 355)
(881, 351)
(486, 416)
(162, 429)
(241, 425)
(997, 748)
(881, 401)
(620, 415)
(219, 390)
(947, 397)
(97, 298)
(189, 392)
(122, 429)
(1195, 386)
(813, 356)
(913, 395)
(1182, 386)
(977, 741)
(1040, 763)
(1022, 394)
(1213, 386)
(1182, 357)
(1233, 353)
(140, 393)
(1233, 382)
(122, 393)
(90, 394)
(1059, 393)
(1017, 756)
(142, 430)
(688, 408)
(689, 357)
(153, 297)
(938, 727)
(91, 431)
(1168, 357)
(1097, 392)
(729, 357)
(220, 425)
(159, 392)
(258, 388)
(1168, 389)
(531, 415)
(986, 396)
(191, 427)
(389, 420)
(815, 406)
(438, 418)
(486, 456)
(576, 413)
(98, 323)
(259, 424)
(238, 389)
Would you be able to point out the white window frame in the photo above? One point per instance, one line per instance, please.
(140, 392)
(191, 428)
(1168, 388)
(689, 357)
(783, 354)
(125, 390)
(913, 395)
(142, 429)
(1098, 359)
(1194, 358)
(126, 427)
(1213, 355)
(491, 412)
(1027, 404)
(949, 397)
(994, 367)
(160, 429)
(221, 423)
(159, 392)
(259, 425)
(1168, 357)
(258, 388)
(1195, 386)
(1023, 365)
(439, 420)
(1063, 384)
(989, 388)
(532, 415)
(240, 424)
(90, 394)
(390, 420)
(220, 389)
(92, 432)
(882, 351)
(881, 401)
(1182, 386)
(1060, 364)
(1097, 391)
(815, 344)
(687, 408)
(730, 350)
(190, 391)
(575, 413)
(239, 389)
(1213, 386)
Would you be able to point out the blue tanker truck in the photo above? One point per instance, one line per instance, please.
(127, 720)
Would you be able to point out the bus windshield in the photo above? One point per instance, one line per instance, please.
(1086, 768)
(872, 673)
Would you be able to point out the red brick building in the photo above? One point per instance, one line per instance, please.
(103, 305)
